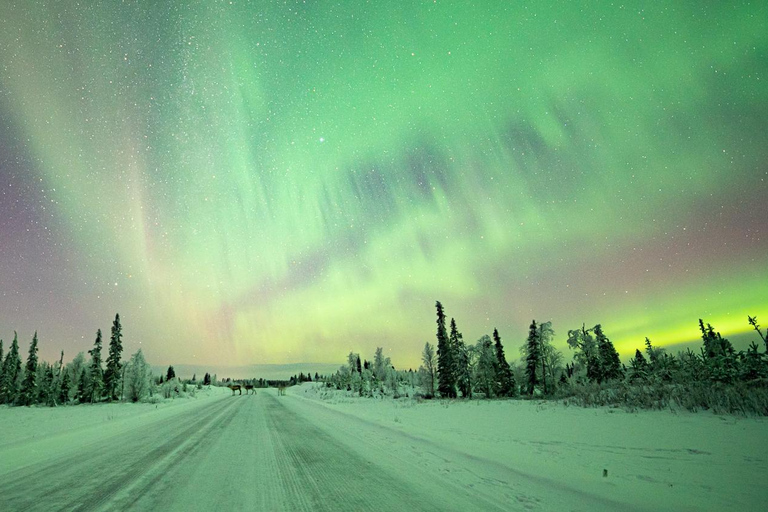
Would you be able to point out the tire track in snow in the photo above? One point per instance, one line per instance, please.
(77, 482)
(320, 473)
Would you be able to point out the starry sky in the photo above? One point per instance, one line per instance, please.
(275, 182)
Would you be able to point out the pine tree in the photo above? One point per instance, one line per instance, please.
(638, 366)
(96, 374)
(28, 395)
(505, 379)
(9, 385)
(170, 374)
(461, 361)
(46, 388)
(112, 373)
(752, 320)
(610, 364)
(532, 358)
(487, 367)
(207, 379)
(83, 387)
(64, 389)
(446, 382)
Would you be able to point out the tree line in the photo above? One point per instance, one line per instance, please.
(717, 377)
(83, 380)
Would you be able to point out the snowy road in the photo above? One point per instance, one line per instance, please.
(267, 453)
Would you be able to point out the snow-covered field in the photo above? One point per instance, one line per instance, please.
(311, 450)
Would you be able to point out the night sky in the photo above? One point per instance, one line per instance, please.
(272, 182)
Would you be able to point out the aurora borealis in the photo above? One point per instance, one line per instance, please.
(272, 182)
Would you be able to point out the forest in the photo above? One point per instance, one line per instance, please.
(716, 378)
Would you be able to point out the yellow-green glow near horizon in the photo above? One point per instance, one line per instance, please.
(287, 181)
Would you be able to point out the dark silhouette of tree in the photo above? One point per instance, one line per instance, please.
(461, 361)
(1, 362)
(112, 373)
(719, 356)
(533, 350)
(28, 395)
(505, 379)
(170, 374)
(96, 374)
(46, 389)
(751, 319)
(358, 365)
(64, 389)
(207, 379)
(610, 364)
(585, 352)
(638, 367)
(83, 387)
(9, 386)
(445, 360)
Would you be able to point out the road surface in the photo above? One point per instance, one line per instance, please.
(268, 453)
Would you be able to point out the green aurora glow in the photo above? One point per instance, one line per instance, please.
(273, 182)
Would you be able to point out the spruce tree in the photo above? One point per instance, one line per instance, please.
(461, 360)
(532, 359)
(112, 372)
(28, 395)
(486, 367)
(83, 387)
(170, 374)
(9, 385)
(46, 388)
(446, 383)
(64, 389)
(638, 366)
(505, 379)
(96, 374)
(610, 364)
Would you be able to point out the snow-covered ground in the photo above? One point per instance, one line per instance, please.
(314, 451)
(655, 460)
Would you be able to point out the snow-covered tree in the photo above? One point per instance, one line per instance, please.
(64, 388)
(505, 379)
(585, 351)
(610, 364)
(430, 369)
(75, 370)
(532, 356)
(95, 374)
(546, 333)
(486, 366)
(9, 385)
(113, 370)
(137, 377)
(28, 395)
(445, 358)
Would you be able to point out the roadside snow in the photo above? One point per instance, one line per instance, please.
(654, 459)
(30, 434)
